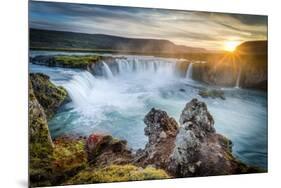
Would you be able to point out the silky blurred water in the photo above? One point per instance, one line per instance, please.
(117, 102)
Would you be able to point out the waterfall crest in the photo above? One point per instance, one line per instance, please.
(146, 66)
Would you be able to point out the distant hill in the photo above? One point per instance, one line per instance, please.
(46, 39)
(253, 47)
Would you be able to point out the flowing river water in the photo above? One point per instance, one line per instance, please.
(115, 98)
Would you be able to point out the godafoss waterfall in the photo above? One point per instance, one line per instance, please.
(113, 96)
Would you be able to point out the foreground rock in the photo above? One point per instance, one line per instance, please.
(49, 96)
(199, 150)
(161, 131)
(192, 149)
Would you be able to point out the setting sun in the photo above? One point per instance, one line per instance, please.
(230, 45)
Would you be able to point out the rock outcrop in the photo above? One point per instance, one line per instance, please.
(48, 95)
(161, 131)
(191, 149)
(199, 150)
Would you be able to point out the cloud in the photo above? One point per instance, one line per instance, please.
(198, 29)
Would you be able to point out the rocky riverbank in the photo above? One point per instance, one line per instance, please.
(185, 149)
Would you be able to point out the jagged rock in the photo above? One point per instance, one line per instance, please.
(196, 115)
(104, 150)
(199, 150)
(161, 131)
(48, 95)
(158, 121)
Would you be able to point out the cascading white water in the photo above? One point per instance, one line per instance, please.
(238, 79)
(78, 88)
(147, 66)
(189, 71)
(107, 70)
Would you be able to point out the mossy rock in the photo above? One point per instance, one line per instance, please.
(48, 95)
(76, 61)
(40, 144)
(66, 61)
(69, 158)
(117, 173)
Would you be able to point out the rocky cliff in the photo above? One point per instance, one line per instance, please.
(246, 67)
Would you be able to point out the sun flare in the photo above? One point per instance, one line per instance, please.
(230, 46)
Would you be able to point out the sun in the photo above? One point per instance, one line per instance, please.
(230, 46)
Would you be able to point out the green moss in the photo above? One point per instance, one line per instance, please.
(40, 144)
(48, 95)
(117, 173)
(69, 157)
(75, 61)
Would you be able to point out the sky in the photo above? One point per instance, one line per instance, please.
(195, 29)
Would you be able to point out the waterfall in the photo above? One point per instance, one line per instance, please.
(107, 70)
(79, 86)
(238, 79)
(189, 71)
(137, 66)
